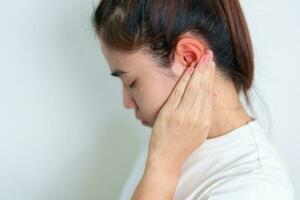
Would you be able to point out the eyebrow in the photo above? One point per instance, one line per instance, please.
(118, 73)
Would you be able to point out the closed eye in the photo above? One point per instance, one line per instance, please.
(132, 84)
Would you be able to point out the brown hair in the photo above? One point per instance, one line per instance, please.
(155, 26)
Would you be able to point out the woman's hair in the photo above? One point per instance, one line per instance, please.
(156, 25)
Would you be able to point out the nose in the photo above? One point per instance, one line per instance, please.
(128, 101)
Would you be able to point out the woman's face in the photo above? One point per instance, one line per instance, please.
(152, 86)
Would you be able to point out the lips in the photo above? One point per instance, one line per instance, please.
(144, 122)
(139, 118)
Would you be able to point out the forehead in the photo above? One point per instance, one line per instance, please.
(123, 61)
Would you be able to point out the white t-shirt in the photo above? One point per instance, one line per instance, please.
(240, 165)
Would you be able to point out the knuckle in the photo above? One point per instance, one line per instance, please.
(178, 119)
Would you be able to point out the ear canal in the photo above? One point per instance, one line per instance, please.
(189, 58)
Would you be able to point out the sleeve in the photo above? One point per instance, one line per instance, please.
(250, 187)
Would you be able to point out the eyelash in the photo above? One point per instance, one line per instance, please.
(132, 84)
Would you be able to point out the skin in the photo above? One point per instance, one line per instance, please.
(152, 91)
(182, 125)
(179, 109)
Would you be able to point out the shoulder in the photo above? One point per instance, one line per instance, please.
(257, 185)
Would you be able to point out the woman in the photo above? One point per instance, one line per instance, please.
(183, 65)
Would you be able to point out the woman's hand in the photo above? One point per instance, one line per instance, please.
(184, 121)
(182, 125)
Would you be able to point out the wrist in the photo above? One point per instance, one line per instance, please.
(163, 165)
(163, 175)
(157, 182)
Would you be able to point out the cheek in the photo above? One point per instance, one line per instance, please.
(152, 98)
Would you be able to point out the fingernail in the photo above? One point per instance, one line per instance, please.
(201, 65)
(190, 70)
(208, 57)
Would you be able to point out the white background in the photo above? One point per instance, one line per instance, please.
(64, 133)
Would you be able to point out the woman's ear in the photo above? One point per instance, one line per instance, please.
(188, 53)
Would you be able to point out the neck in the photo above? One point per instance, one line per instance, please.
(229, 112)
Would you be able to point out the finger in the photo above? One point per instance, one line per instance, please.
(179, 89)
(212, 78)
(195, 84)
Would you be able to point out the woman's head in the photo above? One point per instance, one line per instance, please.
(156, 40)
